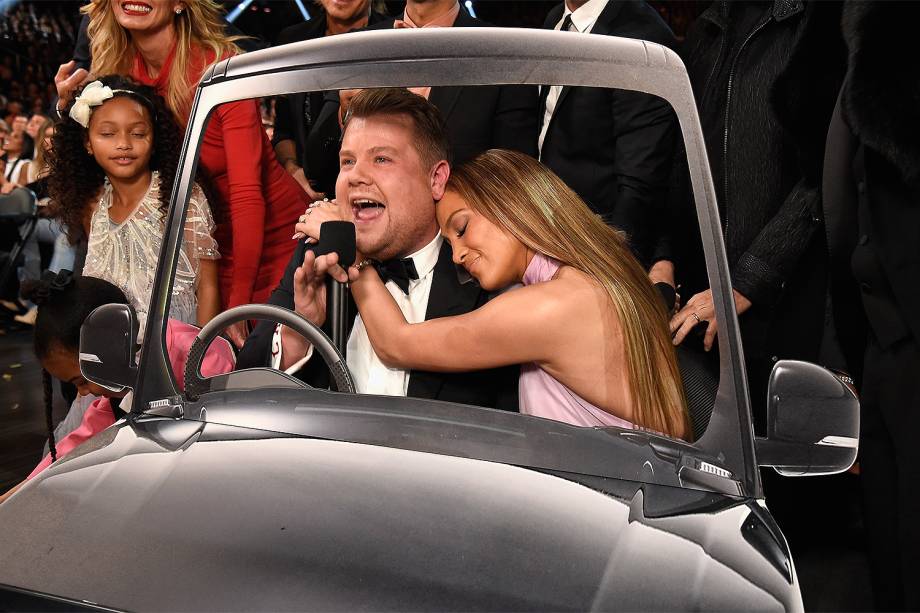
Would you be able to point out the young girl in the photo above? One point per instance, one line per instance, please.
(588, 327)
(64, 302)
(254, 199)
(113, 164)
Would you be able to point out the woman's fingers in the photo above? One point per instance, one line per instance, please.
(711, 331)
(67, 79)
(683, 329)
(237, 333)
(353, 274)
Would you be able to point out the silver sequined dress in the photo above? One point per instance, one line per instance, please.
(126, 253)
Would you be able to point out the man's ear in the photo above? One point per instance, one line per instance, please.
(440, 173)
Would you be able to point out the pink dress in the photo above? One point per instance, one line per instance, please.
(543, 396)
(99, 415)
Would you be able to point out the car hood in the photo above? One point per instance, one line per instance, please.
(221, 518)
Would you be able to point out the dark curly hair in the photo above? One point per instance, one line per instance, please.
(75, 178)
(64, 302)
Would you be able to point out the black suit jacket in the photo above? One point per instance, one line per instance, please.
(477, 118)
(290, 121)
(495, 388)
(616, 148)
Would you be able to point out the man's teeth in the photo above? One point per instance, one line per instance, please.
(138, 8)
(364, 203)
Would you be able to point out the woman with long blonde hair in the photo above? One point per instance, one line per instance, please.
(588, 327)
(168, 44)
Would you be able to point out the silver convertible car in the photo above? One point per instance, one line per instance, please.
(252, 491)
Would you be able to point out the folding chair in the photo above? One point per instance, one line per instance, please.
(19, 208)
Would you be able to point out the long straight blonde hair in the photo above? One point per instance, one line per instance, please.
(526, 199)
(40, 159)
(199, 25)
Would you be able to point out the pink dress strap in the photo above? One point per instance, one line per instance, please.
(543, 396)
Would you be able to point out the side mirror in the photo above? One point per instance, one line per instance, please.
(812, 421)
(108, 347)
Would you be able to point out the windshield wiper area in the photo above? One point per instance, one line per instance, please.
(459, 430)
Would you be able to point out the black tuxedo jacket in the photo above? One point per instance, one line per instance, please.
(290, 120)
(616, 148)
(477, 118)
(495, 388)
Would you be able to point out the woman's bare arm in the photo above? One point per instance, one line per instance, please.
(522, 325)
(11, 491)
(208, 292)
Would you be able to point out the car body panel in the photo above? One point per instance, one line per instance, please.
(239, 519)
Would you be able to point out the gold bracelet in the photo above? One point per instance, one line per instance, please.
(364, 264)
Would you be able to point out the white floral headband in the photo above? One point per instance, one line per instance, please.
(93, 95)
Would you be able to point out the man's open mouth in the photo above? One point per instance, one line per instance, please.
(366, 209)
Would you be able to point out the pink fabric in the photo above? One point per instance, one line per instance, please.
(99, 416)
(543, 396)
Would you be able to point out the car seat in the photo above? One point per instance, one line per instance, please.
(699, 372)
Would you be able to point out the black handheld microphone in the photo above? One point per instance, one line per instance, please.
(336, 237)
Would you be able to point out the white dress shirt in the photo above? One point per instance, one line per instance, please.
(370, 375)
(583, 20)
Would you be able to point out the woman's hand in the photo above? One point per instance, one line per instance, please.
(316, 214)
(662, 271)
(345, 97)
(67, 80)
(238, 333)
(8, 187)
(699, 309)
(297, 172)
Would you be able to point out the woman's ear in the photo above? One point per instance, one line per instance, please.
(439, 176)
(87, 145)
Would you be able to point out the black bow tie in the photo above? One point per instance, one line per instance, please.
(399, 272)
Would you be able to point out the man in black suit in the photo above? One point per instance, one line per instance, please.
(614, 148)
(871, 206)
(394, 168)
(295, 114)
(477, 118)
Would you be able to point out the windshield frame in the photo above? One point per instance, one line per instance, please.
(458, 57)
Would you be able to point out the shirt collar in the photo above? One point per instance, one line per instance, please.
(444, 20)
(426, 258)
(583, 17)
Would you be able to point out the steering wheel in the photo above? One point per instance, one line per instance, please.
(195, 384)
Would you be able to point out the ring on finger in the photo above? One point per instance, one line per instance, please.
(696, 317)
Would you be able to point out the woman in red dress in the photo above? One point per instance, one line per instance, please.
(168, 44)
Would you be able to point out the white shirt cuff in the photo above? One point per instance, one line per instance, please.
(276, 354)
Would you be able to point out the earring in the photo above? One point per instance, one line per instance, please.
(178, 10)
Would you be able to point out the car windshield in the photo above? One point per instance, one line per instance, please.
(535, 413)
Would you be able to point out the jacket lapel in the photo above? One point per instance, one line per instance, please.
(445, 98)
(603, 25)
